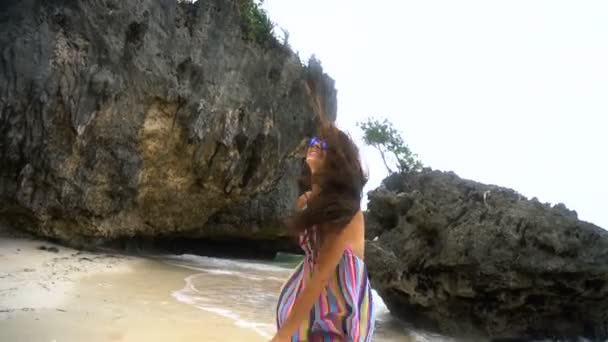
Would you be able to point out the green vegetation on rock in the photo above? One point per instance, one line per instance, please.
(256, 25)
(387, 140)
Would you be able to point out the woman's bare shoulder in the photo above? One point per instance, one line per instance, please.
(354, 228)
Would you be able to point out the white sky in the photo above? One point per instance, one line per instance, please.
(513, 93)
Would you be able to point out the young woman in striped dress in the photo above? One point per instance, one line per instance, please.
(328, 297)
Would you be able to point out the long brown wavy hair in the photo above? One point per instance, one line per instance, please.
(341, 179)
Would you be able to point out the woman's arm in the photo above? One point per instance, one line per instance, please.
(301, 202)
(329, 256)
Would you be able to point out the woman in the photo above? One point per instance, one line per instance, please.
(328, 297)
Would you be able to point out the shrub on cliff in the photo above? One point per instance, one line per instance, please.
(256, 25)
(387, 140)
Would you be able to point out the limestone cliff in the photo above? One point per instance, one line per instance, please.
(147, 118)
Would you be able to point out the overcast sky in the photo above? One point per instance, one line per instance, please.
(513, 93)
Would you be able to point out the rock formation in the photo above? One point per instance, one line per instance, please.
(476, 260)
(148, 118)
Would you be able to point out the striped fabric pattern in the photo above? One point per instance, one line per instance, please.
(343, 312)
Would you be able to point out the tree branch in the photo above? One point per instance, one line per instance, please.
(383, 158)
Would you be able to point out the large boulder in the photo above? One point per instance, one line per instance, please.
(476, 260)
(148, 118)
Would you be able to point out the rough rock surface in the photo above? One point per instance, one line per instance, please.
(477, 260)
(147, 118)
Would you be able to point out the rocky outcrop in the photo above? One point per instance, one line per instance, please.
(148, 118)
(477, 260)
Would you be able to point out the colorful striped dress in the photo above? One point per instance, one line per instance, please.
(343, 312)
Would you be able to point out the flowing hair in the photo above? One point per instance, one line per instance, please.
(341, 179)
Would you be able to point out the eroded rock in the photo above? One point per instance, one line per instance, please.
(470, 259)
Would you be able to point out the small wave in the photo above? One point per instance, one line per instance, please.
(420, 336)
(263, 329)
(275, 279)
(380, 309)
(202, 261)
(228, 273)
(190, 295)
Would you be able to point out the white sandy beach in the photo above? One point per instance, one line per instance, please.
(67, 295)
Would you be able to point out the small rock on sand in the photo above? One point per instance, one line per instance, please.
(49, 249)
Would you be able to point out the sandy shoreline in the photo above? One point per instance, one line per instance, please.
(68, 295)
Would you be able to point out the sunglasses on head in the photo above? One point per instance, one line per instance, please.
(318, 140)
